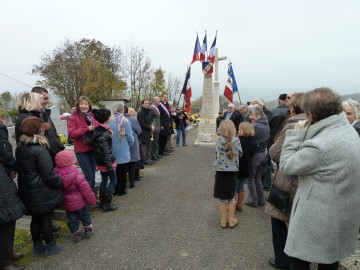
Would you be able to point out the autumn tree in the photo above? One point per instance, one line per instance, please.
(86, 67)
(138, 71)
(173, 88)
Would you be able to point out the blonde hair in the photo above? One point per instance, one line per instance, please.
(228, 131)
(131, 112)
(31, 101)
(247, 128)
(40, 139)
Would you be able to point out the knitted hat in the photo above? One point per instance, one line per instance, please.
(64, 158)
(31, 126)
(283, 96)
(101, 115)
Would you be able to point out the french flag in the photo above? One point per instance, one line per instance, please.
(197, 49)
(186, 90)
(203, 49)
(231, 86)
(211, 56)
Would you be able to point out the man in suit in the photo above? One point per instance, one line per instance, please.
(233, 115)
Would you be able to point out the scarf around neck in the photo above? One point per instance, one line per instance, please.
(121, 120)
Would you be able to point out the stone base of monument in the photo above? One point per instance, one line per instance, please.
(206, 133)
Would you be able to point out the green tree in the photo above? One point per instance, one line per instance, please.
(158, 84)
(86, 67)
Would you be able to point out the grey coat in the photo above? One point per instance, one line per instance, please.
(325, 216)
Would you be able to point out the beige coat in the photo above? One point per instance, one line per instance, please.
(285, 183)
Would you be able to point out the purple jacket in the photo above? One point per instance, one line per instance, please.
(76, 190)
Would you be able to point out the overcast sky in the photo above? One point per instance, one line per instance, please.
(275, 46)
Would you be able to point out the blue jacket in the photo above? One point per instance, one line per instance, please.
(134, 149)
(121, 146)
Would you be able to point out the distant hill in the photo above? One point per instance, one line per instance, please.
(273, 103)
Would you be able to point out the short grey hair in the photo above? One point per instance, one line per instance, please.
(354, 104)
(255, 109)
(118, 107)
(258, 101)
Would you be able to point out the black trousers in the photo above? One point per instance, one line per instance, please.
(297, 264)
(121, 172)
(7, 234)
(279, 236)
(132, 172)
(162, 144)
(42, 224)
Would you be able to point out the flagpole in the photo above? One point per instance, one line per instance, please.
(187, 70)
(239, 96)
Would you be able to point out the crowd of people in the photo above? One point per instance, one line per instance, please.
(118, 143)
(312, 141)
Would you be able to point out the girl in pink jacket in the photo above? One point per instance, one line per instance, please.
(77, 195)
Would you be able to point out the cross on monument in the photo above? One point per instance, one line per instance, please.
(216, 82)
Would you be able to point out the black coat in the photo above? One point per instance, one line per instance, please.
(276, 120)
(236, 118)
(165, 121)
(51, 135)
(11, 207)
(39, 186)
(249, 146)
(6, 152)
(145, 124)
(101, 139)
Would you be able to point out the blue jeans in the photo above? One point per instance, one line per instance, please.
(105, 176)
(88, 166)
(240, 184)
(256, 193)
(181, 130)
(73, 218)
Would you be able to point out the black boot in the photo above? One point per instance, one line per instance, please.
(107, 206)
(102, 198)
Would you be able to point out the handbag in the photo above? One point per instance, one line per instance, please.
(279, 198)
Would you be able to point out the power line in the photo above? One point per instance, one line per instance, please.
(14, 80)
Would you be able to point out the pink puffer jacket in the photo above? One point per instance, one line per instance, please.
(77, 192)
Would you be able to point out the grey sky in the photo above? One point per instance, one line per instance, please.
(275, 46)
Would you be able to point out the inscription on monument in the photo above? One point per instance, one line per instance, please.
(207, 100)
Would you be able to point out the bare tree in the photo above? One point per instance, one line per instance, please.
(174, 88)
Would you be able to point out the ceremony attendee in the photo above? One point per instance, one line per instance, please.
(276, 120)
(352, 110)
(226, 165)
(243, 110)
(180, 124)
(145, 135)
(323, 151)
(233, 115)
(122, 140)
(81, 122)
(154, 115)
(262, 131)
(249, 145)
(10, 203)
(77, 195)
(168, 147)
(165, 124)
(55, 143)
(39, 186)
(218, 120)
(135, 159)
(101, 139)
(287, 184)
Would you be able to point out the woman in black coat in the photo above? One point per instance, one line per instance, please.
(11, 207)
(39, 186)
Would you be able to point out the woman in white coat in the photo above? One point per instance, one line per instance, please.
(323, 151)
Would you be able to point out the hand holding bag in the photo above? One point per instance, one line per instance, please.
(279, 198)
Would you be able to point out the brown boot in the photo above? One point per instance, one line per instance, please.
(240, 200)
(231, 215)
(223, 215)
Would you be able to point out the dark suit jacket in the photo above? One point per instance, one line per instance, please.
(236, 118)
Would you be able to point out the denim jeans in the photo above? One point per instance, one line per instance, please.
(240, 184)
(256, 193)
(181, 130)
(74, 216)
(105, 176)
(88, 166)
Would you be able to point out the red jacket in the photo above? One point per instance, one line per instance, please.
(77, 127)
(76, 190)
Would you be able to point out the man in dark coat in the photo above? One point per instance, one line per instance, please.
(233, 115)
(145, 135)
(154, 115)
(165, 124)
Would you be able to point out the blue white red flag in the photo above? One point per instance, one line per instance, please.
(211, 56)
(197, 49)
(231, 86)
(186, 91)
(203, 51)
(207, 67)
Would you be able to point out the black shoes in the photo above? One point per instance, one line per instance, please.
(164, 154)
(273, 264)
(149, 162)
